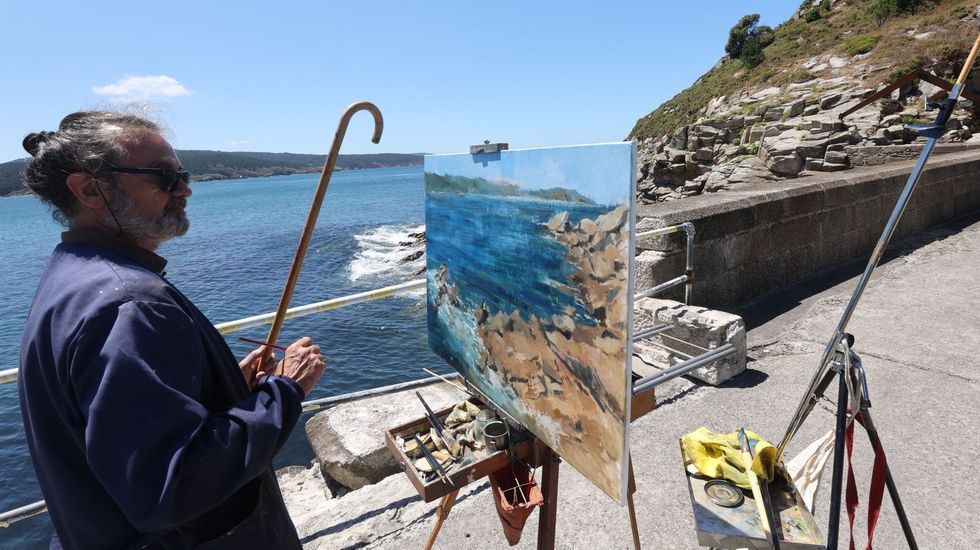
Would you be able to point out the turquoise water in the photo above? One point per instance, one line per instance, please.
(232, 264)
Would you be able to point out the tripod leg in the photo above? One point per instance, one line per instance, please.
(835, 488)
(445, 505)
(549, 510)
(890, 482)
(632, 509)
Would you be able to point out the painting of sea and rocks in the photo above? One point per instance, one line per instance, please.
(529, 295)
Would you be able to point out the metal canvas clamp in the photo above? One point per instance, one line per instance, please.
(487, 147)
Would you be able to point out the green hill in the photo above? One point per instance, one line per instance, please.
(877, 30)
(438, 183)
(215, 165)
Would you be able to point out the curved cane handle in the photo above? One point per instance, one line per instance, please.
(321, 190)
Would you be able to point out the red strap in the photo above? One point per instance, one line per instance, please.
(878, 475)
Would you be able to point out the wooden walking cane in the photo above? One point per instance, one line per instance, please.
(321, 190)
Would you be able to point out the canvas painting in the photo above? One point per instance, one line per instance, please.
(529, 293)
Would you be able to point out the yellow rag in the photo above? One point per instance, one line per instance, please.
(720, 455)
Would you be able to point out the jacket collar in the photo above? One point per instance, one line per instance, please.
(95, 237)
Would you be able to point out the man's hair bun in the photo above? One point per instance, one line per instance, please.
(32, 143)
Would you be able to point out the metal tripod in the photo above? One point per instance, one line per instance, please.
(853, 382)
(824, 375)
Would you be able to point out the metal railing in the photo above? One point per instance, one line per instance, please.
(688, 277)
(10, 375)
(10, 517)
(690, 362)
(39, 507)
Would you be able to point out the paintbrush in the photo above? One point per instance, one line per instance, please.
(250, 341)
(433, 463)
(435, 423)
(760, 501)
(446, 380)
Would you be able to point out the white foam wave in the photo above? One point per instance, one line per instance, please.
(382, 252)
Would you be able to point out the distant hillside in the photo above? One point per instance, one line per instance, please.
(215, 165)
(439, 183)
(892, 36)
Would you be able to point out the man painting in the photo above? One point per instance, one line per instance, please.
(144, 430)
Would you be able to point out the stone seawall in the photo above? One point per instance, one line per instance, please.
(753, 240)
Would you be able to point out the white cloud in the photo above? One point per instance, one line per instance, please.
(142, 88)
(240, 142)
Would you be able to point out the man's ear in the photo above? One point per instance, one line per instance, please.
(86, 190)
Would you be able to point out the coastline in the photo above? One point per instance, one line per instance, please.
(207, 178)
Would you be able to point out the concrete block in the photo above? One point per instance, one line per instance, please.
(348, 440)
(654, 267)
(694, 329)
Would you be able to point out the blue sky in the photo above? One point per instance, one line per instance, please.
(264, 76)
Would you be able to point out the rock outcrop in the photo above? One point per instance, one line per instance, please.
(348, 440)
(755, 135)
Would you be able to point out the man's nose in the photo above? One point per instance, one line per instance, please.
(183, 189)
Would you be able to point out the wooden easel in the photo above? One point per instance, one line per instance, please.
(642, 403)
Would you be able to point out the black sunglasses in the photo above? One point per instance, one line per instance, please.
(169, 179)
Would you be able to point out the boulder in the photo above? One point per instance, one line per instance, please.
(796, 108)
(785, 165)
(782, 144)
(679, 141)
(693, 329)
(348, 439)
(812, 148)
(774, 113)
(770, 131)
(829, 101)
(764, 93)
(814, 165)
(751, 170)
(837, 157)
(304, 491)
(703, 155)
(811, 110)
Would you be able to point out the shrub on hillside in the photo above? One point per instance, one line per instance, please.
(883, 9)
(862, 43)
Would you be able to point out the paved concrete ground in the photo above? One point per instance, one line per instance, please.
(918, 332)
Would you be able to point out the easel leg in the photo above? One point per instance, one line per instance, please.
(549, 510)
(442, 512)
(632, 508)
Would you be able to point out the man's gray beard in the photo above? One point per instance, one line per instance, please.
(141, 229)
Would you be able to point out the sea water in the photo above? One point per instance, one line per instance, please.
(232, 264)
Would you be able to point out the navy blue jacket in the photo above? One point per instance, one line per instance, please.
(141, 427)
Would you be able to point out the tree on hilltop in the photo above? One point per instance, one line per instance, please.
(747, 39)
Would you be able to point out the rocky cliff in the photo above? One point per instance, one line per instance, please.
(781, 118)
